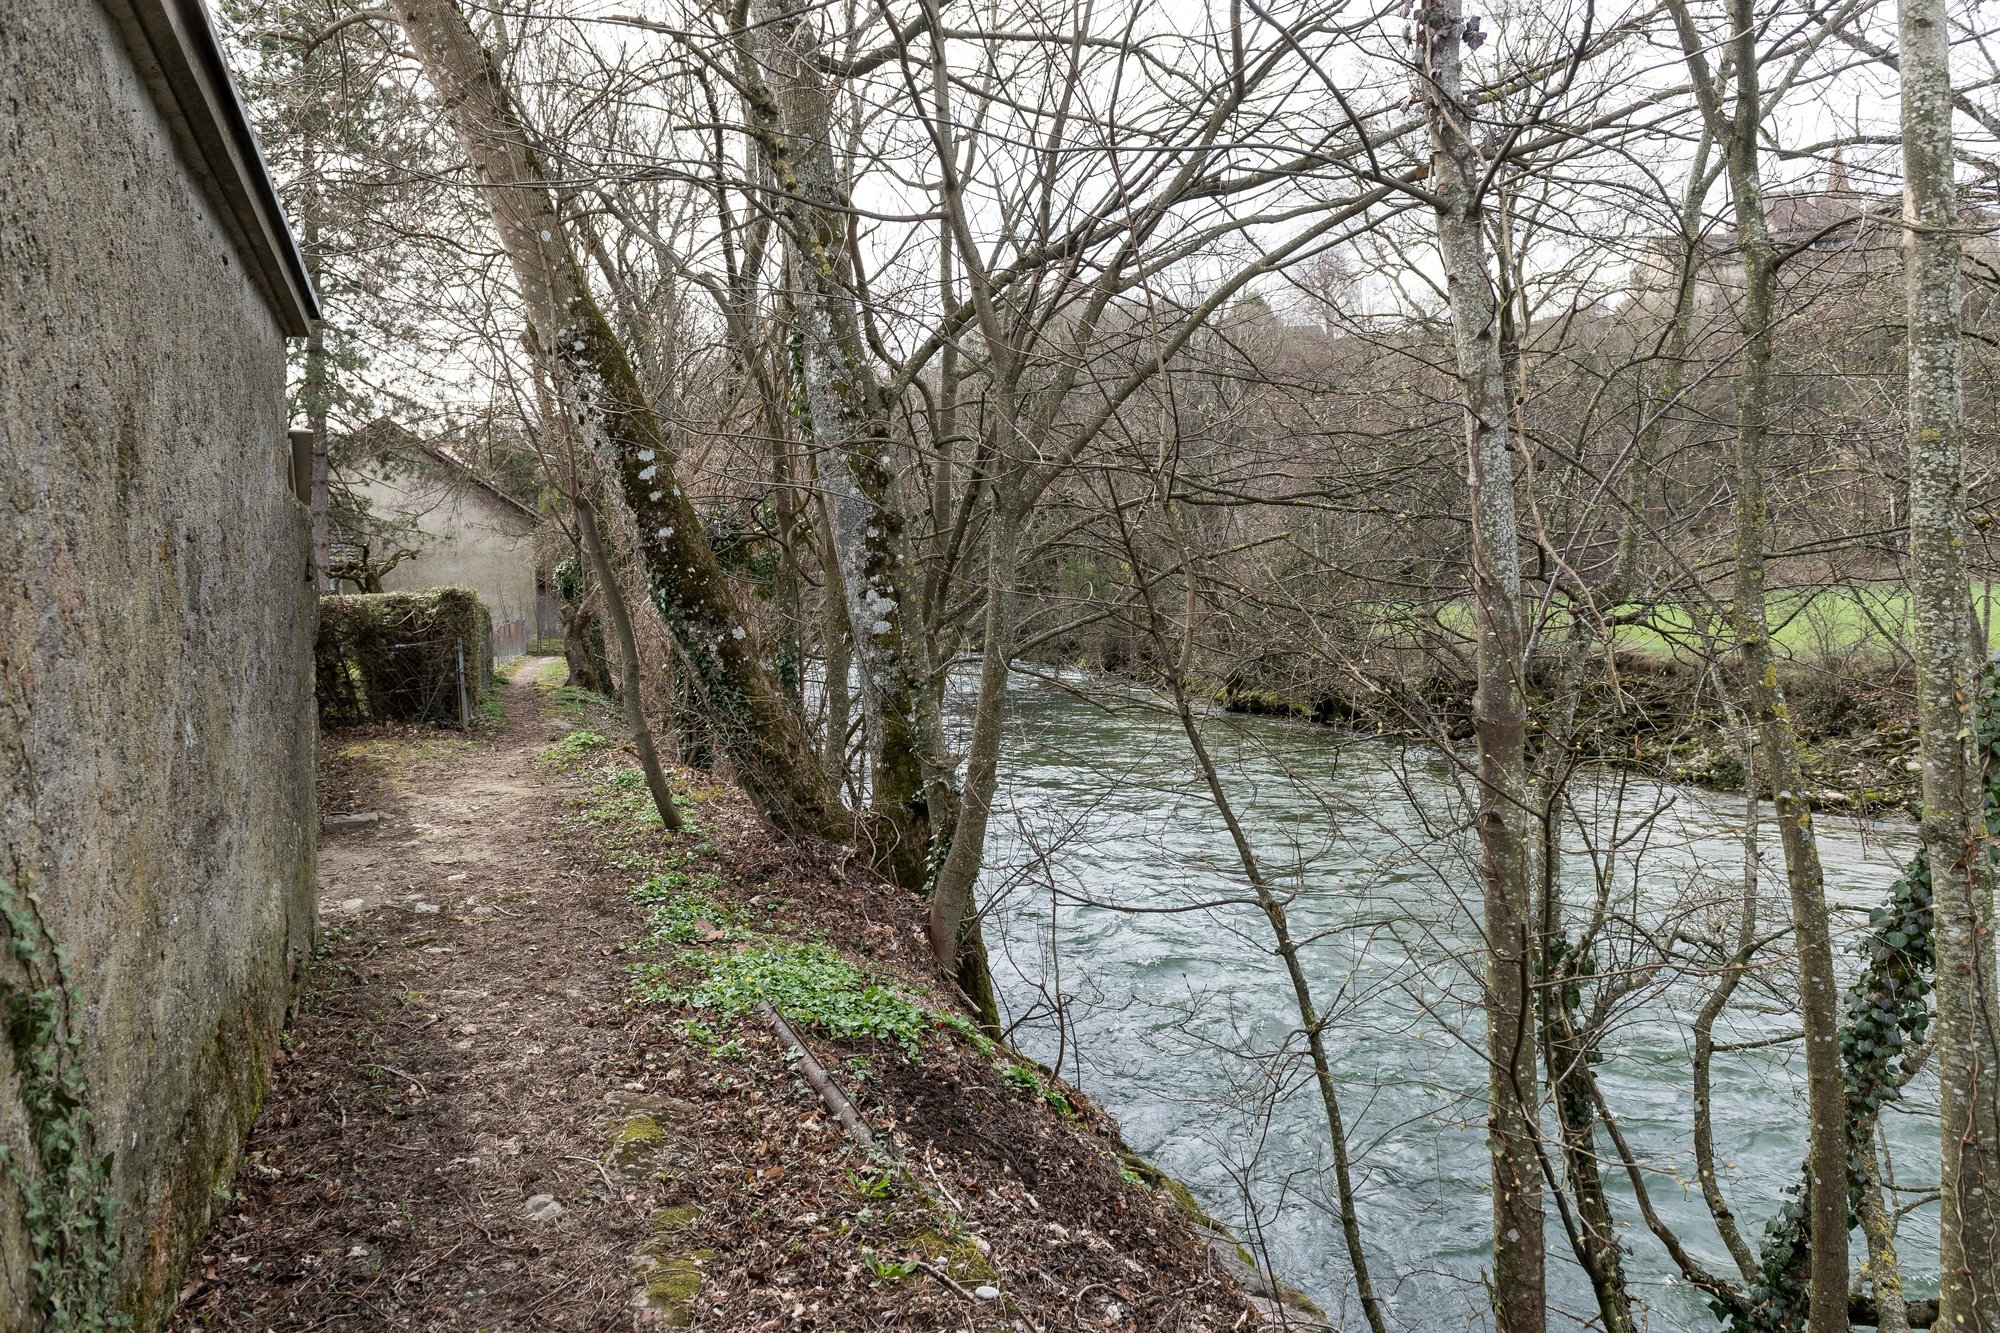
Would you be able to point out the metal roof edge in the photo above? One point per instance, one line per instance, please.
(175, 49)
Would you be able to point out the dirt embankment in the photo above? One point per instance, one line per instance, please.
(529, 1087)
(1856, 720)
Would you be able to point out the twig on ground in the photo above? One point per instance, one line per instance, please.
(943, 1193)
(479, 1226)
(416, 1274)
(945, 1278)
(604, 1175)
(391, 1069)
(816, 1076)
(554, 1292)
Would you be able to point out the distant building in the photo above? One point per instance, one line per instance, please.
(1831, 238)
(156, 641)
(433, 522)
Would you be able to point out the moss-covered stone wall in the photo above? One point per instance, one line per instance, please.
(156, 628)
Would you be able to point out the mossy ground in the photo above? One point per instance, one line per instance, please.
(399, 756)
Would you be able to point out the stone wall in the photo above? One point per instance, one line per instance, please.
(156, 626)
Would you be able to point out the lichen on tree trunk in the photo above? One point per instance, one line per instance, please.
(791, 115)
(1519, 1280)
(1942, 641)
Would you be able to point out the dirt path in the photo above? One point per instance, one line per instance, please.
(481, 1123)
(448, 1066)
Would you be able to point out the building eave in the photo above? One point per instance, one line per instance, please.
(174, 47)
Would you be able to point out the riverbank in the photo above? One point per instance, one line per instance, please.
(1856, 720)
(529, 1085)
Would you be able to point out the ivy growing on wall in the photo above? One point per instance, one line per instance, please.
(69, 1215)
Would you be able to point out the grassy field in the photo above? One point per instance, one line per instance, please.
(1832, 623)
(1837, 622)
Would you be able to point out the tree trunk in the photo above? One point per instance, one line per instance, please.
(839, 656)
(581, 650)
(1563, 965)
(1733, 970)
(1819, 994)
(628, 664)
(789, 580)
(792, 115)
(1737, 127)
(952, 921)
(1499, 705)
(596, 385)
(1878, 1226)
(1941, 622)
(318, 399)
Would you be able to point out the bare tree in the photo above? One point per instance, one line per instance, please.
(1736, 119)
(793, 116)
(1460, 181)
(1942, 626)
(593, 379)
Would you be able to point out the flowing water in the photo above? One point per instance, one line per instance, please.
(1125, 949)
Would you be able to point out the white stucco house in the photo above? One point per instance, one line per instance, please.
(459, 531)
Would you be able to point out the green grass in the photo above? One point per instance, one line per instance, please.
(578, 702)
(610, 799)
(1839, 622)
(613, 800)
(1831, 623)
(562, 699)
(573, 751)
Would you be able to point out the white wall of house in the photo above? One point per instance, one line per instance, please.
(469, 538)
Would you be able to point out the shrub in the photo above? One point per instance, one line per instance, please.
(394, 656)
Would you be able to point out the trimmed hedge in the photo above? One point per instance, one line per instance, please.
(394, 656)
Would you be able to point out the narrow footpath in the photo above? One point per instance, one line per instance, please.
(446, 1063)
(528, 1087)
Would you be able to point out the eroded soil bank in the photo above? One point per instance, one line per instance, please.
(1856, 719)
(527, 1086)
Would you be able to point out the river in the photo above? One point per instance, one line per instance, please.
(1177, 1018)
